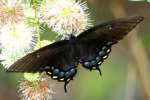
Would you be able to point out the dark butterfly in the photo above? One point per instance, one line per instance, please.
(60, 59)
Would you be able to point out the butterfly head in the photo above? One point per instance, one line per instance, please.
(72, 38)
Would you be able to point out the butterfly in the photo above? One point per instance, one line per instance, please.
(60, 60)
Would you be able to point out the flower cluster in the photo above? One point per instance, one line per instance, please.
(35, 88)
(17, 37)
(66, 17)
(16, 41)
(11, 11)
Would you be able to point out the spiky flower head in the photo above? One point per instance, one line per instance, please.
(66, 16)
(36, 86)
(37, 89)
(11, 11)
(16, 40)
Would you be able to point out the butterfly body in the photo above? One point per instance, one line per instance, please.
(60, 60)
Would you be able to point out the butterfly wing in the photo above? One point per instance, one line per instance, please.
(32, 62)
(60, 59)
(51, 55)
(57, 60)
(113, 31)
(94, 45)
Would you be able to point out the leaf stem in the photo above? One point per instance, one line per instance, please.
(37, 26)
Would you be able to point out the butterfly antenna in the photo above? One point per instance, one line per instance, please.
(99, 70)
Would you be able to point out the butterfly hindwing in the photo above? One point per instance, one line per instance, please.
(94, 45)
(57, 60)
(92, 53)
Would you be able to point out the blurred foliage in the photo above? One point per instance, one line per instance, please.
(32, 3)
(91, 85)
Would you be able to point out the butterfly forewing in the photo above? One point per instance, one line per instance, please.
(112, 31)
(38, 59)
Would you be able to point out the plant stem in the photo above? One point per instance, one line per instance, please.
(37, 24)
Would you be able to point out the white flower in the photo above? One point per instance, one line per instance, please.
(16, 40)
(29, 12)
(66, 16)
(11, 11)
(36, 90)
(9, 57)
